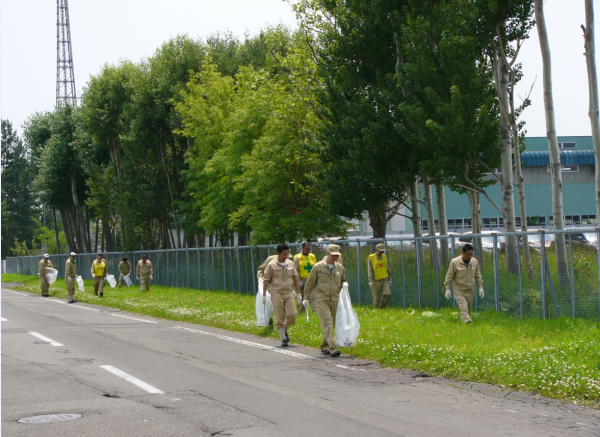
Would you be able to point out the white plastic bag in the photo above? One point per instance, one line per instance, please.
(127, 279)
(263, 312)
(111, 281)
(347, 325)
(80, 283)
(52, 275)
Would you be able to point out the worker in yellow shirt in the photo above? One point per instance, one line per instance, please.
(380, 276)
(303, 262)
(99, 271)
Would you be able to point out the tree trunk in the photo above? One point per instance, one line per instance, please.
(590, 57)
(378, 222)
(416, 214)
(428, 198)
(164, 164)
(210, 240)
(557, 194)
(442, 220)
(96, 239)
(200, 240)
(508, 199)
(88, 226)
(56, 233)
(80, 221)
(64, 218)
(476, 226)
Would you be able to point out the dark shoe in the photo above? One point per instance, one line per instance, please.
(72, 301)
(101, 294)
(326, 352)
(45, 295)
(284, 343)
(335, 354)
(96, 294)
(270, 323)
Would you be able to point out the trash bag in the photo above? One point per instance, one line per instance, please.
(111, 281)
(80, 283)
(263, 312)
(347, 325)
(127, 279)
(52, 275)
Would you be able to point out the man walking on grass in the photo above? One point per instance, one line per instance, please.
(144, 273)
(304, 262)
(44, 284)
(281, 278)
(99, 271)
(463, 273)
(125, 268)
(70, 274)
(380, 276)
(322, 290)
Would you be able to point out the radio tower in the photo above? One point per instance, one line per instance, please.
(65, 78)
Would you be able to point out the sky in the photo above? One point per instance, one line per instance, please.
(111, 30)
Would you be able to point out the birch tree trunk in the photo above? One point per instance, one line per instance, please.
(427, 197)
(557, 194)
(416, 214)
(442, 220)
(84, 242)
(56, 233)
(476, 226)
(590, 57)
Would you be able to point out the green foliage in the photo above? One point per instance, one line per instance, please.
(47, 238)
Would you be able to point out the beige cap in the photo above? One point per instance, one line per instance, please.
(334, 249)
(46, 255)
(380, 247)
(73, 254)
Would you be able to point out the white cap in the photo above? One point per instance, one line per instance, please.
(46, 255)
(73, 254)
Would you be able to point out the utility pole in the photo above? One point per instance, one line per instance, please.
(65, 78)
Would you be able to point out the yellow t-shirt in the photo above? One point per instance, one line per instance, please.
(99, 268)
(380, 266)
(306, 263)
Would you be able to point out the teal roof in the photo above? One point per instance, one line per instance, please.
(567, 157)
(540, 144)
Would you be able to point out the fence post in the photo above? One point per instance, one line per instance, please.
(520, 280)
(237, 250)
(403, 275)
(453, 247)
(598, 250)
(358, 270)
(253, 268)
(543, 267)
(437, 267)
(419, 283)
(187, 258)
(572, 277)
(496, 273)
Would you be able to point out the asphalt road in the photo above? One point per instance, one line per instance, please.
(132, 375)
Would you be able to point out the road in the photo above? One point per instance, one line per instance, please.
(132, 375)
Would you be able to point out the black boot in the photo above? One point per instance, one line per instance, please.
(271, 323)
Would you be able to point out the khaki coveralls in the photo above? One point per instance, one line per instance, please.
(280, 280)
(144, 271)
(303, 265)
(124, 269)
(44, 284)
(463, 278)
(323, 291)
(100, 276)
(70, 273)
(380, 286)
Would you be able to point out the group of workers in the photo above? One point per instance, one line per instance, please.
(295, 283)
(99, 271)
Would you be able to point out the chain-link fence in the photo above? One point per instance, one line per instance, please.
(525, 289)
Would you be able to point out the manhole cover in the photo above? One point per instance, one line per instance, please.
(47, 418)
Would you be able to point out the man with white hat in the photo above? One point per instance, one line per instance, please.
(322, 290)
(70, 274)
(380, 275)
(44, 284)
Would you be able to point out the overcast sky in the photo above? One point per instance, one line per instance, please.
(110, 30)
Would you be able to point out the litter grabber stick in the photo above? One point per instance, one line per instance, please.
(306, 311)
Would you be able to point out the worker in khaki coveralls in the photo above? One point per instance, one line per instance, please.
(124, 268)
(281, 279)
(322, 290)
(44, 284)
(261, 272)
(303, 262)
(464, 272)
(99, 271)
(380, 276)
(144, 273)
(70, 274)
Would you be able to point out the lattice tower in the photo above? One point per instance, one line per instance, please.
(65, 78)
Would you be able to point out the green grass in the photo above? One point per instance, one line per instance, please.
(558, 358)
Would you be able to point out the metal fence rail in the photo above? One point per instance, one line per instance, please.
(418, 270)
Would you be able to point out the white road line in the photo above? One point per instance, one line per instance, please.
(127, 377)
(74, 306)
(249, 343)
(44, 338)
(3, 319)
(14, 292)
(132, 318)
(52, 300)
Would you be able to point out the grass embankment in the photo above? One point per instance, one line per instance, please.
(558, 358)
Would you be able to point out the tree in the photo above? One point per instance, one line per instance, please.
(19, 209)
(555, 167)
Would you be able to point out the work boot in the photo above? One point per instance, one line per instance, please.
(335, 354)
(283, 336)
(326, 352)
(72, 301)
(96, 293)
(271, 323)
(101, 294)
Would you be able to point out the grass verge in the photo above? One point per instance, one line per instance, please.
(557, 358)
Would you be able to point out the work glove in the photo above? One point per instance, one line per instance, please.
(481, 293)
(299, 299)
(448, 293)
(69, 279)
(370, 284)
(305, 303)
(264, 299)
(151, 278)
(300, 284)
(137, 277)
(390, 282)
(93, 276)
